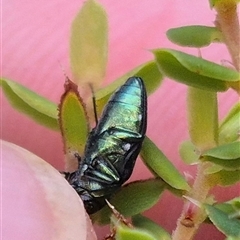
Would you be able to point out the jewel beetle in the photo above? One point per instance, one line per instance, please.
(112, 146)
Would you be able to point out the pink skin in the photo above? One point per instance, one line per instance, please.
(37, 201)
(35, 44)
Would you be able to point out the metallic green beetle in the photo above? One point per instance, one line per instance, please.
(112, 146)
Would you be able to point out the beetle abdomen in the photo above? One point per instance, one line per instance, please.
(126, 109)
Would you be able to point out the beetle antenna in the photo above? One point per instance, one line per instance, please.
(63, 70)
(94, 104)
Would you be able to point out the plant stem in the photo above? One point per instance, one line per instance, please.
(227, 21)
(192, 216)
(203, 125)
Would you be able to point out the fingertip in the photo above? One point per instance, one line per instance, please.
(38, 203)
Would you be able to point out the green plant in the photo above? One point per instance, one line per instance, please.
(213, 146)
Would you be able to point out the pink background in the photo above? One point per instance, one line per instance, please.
(35, 44)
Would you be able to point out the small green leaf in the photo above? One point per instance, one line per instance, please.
(148, 72)
(226, 178)
(225, 207)
(235, 202)
(230, 127)
(88, 44)
(213, 2)
(213, 168)
(231, 208)
(225, 3)
(157, 162)
(228, 226)
(188, 152)
(126, 233)
(30, 103)
(73, 121)
(202, 118)
(148, 225)
(231, 165)
(194, 36)
(132, 199)
(232, 238)
(227, 156)
(226, 151)
(194, 71)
